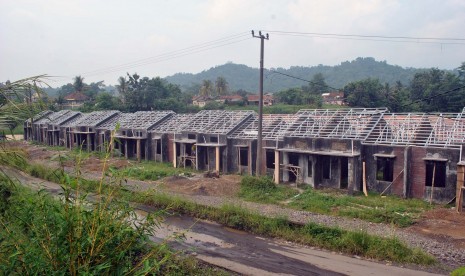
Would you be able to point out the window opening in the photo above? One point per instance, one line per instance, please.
(384, 169)
(244, 153)
(270, 159)
(326, 163)
(439, 170)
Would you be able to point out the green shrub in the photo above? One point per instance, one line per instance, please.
(263, 189)
(459, 271)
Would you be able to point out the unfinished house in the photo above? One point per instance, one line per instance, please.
(133, 134)
(104, 132)
(29, 132)
(322, 148)
(242, 144)
(54, 126)
(162, 138)
(203, 141)
(415, 155)
(40, 127)
(83, 132)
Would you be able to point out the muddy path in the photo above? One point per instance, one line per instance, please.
(242, 252)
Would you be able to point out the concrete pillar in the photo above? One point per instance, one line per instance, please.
(125, 148)
(217, 158)
(89, 144)
(175, 158)
(285, 162)
(460, 184)
(353, 172)
(249, 159)
(138, 150)
(146, 147)
(407, 169)
(276, 167)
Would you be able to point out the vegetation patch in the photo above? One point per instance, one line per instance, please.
(151, 171)
(264, 190)
(374, 208)
(40, 235)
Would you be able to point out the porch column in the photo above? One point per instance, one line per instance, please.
(138, 149)
(285, 162)
(88, 142)
(460, 187)
(407, 169)
(125, 148)
(250, 159)
(276, 167)
(174, 154)
(217, 158)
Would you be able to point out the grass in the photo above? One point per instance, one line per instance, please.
(458, 272)
(152, 171)
(264, 190)
(42, 235)
(349, 242)
(373, 208)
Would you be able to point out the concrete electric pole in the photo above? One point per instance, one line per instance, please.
(260, 103)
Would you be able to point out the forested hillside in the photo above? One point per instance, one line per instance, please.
(246, 78)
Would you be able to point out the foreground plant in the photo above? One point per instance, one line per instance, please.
(79, 233)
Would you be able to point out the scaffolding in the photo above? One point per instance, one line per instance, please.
(174, 124)
(217, 121)
(274, 127)
(143, 120)
(353, 123)
(111, 123)
(94, 119)
(444, 130)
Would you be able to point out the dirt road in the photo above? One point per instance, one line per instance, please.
(242, 252)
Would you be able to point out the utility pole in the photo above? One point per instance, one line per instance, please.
(260, 102)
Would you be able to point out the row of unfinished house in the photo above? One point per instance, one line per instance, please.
(414, 155)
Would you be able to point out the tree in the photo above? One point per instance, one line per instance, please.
(105, 101)
(78, 84)
(122, 88)
(93, 89)
(149, 94)
(364, 93)
(221, 86)
(426, 90)
(206, 88)
(294, 96)
(317, 85)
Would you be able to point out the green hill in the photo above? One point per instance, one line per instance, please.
(246, 78)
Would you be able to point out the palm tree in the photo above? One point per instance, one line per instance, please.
(206, 88)
(221, 86)
(122, 87)
(78, 83)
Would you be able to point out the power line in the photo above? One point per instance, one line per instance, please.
(297, 78)
(334, 35)
(173, 54)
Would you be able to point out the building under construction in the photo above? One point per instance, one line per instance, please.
(356, 149)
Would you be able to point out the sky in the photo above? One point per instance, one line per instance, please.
(105, 39)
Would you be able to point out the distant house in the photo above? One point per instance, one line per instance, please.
(335, 98)
(229, 99)
(75, 100)
(254, 100)
(200, 100)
